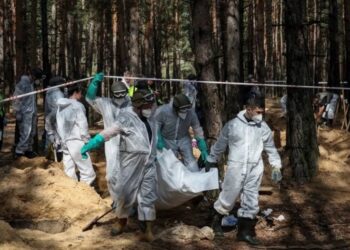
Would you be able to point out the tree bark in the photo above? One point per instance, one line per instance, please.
(232, 53)
(268, 38)
(121, 51)
(2, 39)
(347, 42)
(9, 54)
(20, 38)
(157, 40)
(250, 40)
(45, 42)
(205, 67)
(301, 132)
(134, 37)
(333, 63)
(260, 64)
(33, 44)
(62, 29)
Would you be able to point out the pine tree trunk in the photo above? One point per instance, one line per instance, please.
(157, 39)
(20, 38)
(269, 40)
(250, 40)
(259, 15)
(176, 70)
(2, 39)
(301, 132)
(109, 52)
(100, 37)
(33, 44)
(204, 62)
(9, 54)
(62, 29)
(45, 42)
(90, 45)
(121, 47)
(232, 55)
(333, 63)
(347, 42)
(134, 37)
(148, 40)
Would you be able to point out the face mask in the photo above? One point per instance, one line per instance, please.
(182, 115)
(257, 118)
(118, 101)
(146, 113)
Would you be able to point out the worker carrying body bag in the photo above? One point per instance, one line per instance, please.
(176, 184)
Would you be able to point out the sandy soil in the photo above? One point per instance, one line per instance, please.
(41, 208)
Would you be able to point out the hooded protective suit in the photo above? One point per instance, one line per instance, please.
(331, 107)
(175, 132)
(109, 111)
(26, 115)
(131, 177)
(283, 102)
(189, 89)
(51, 99)
(72, 127)
(246, 141)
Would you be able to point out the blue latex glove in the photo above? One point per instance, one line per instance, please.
(94, 143)
(160, 141)
(93, 86)
(202, 146)
(276, 175)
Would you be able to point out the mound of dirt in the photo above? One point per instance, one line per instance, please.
(40, 198)
(9, 239)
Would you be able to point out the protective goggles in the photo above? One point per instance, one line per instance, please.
(149, 97)
(184, 108)
(119, 94)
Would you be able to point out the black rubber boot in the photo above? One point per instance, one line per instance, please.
(216, 224)
(119, 227)
(146, 229)
(246, 230)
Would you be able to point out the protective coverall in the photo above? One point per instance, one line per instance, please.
(246, 141)
(330, 106)
(72, 127)
(51, 99)
(175, 132)
(109, 111)
(26, 115)
(132, 177)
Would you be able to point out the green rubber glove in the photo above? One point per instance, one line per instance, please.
(202, 146)
(276, 174)
(93, 86)
(94, 143)
(160, 141)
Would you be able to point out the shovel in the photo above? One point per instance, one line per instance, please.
(95, 220)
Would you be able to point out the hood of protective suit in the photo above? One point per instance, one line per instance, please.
(64, 103)
(241, 116)
(26, 78)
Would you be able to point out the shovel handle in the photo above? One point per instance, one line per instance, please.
(95, 220)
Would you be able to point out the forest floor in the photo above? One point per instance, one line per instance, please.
(41, 208)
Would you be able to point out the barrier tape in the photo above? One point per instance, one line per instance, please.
(267, 84)
(12, 98)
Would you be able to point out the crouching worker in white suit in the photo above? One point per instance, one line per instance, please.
(131, 180)
(72, 128)
(246, 136)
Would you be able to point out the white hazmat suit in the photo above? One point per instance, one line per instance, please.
(131, 178)
(26, 115)
(72, 127)
(246, 141)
